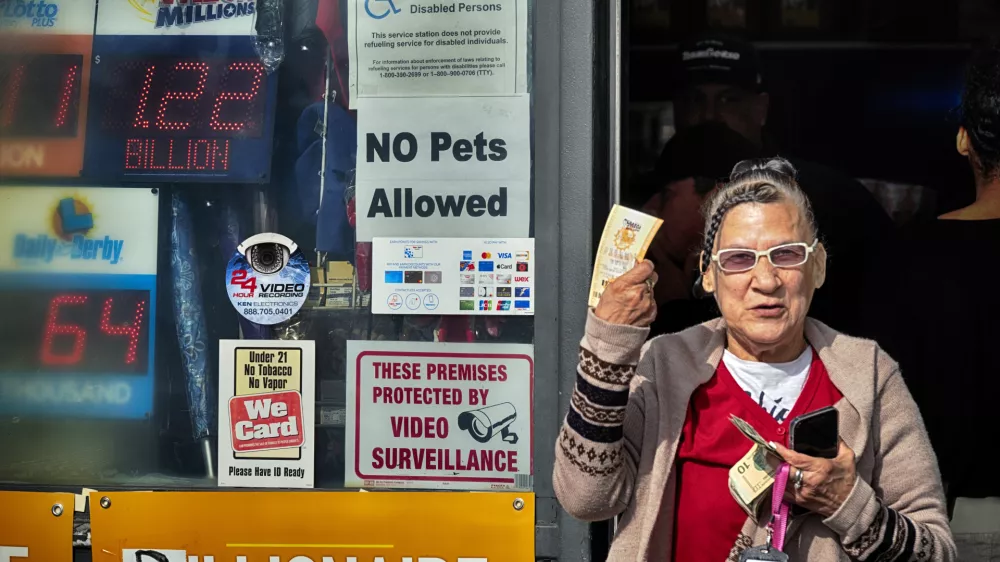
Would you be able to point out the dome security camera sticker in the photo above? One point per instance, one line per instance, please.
(263, 290)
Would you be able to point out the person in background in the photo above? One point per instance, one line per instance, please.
(689, 168)
(647, 435)
(719, 81)
(938, 308)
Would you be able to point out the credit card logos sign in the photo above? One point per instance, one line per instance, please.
(450, 276)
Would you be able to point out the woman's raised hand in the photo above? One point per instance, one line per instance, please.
(628, 300)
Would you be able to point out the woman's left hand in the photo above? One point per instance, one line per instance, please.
(826, 483)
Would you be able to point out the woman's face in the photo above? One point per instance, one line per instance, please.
(765, 308)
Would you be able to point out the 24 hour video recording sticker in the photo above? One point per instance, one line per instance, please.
(267, 279)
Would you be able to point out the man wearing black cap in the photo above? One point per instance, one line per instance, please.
(721, 81)
(720, 110)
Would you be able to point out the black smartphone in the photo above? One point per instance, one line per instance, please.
(815, 434)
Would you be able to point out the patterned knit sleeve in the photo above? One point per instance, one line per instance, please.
(901, 515)
(892, 536)
(600, 439)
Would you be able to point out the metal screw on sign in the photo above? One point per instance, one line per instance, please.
(105, 502)
(518, 504)
(57, 509)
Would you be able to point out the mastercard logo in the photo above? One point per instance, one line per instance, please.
(487, 255)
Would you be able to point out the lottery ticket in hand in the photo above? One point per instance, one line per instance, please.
(627, 235)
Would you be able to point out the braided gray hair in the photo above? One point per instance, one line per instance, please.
(753, 181)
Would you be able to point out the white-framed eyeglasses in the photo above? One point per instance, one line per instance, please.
(738, 260)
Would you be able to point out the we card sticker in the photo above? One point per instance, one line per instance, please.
(261, 422)
(267, 413)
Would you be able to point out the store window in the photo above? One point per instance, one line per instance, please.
(276, 244)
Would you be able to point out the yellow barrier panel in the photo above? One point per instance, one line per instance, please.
(36, 526)
(312, 527)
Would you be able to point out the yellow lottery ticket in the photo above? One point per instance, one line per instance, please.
(627, 235)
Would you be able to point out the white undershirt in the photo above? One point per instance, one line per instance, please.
(775, 386)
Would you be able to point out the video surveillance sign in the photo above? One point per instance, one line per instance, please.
(439, 415)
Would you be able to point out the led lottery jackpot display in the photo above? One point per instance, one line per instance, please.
(179, 94)
(78, 278)
(77, 330)
(182, 116)
(45, 70)
(41, 97)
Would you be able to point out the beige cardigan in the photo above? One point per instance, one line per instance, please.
(615, 452)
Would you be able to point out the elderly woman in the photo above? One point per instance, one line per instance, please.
(648, 436)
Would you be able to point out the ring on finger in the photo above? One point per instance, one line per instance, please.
(798, 479)
(649, 285)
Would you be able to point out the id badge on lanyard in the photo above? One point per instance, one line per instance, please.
(763, 554)
(771, 551)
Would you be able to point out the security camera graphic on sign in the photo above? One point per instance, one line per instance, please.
(483, 424)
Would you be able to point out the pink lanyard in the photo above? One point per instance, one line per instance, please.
(779, 509)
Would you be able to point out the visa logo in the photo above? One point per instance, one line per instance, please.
(505, 255)
(46, 248)
(520, 279)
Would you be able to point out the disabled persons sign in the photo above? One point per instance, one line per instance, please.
(439, 415)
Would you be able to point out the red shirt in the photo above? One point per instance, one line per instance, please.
(707, 520)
